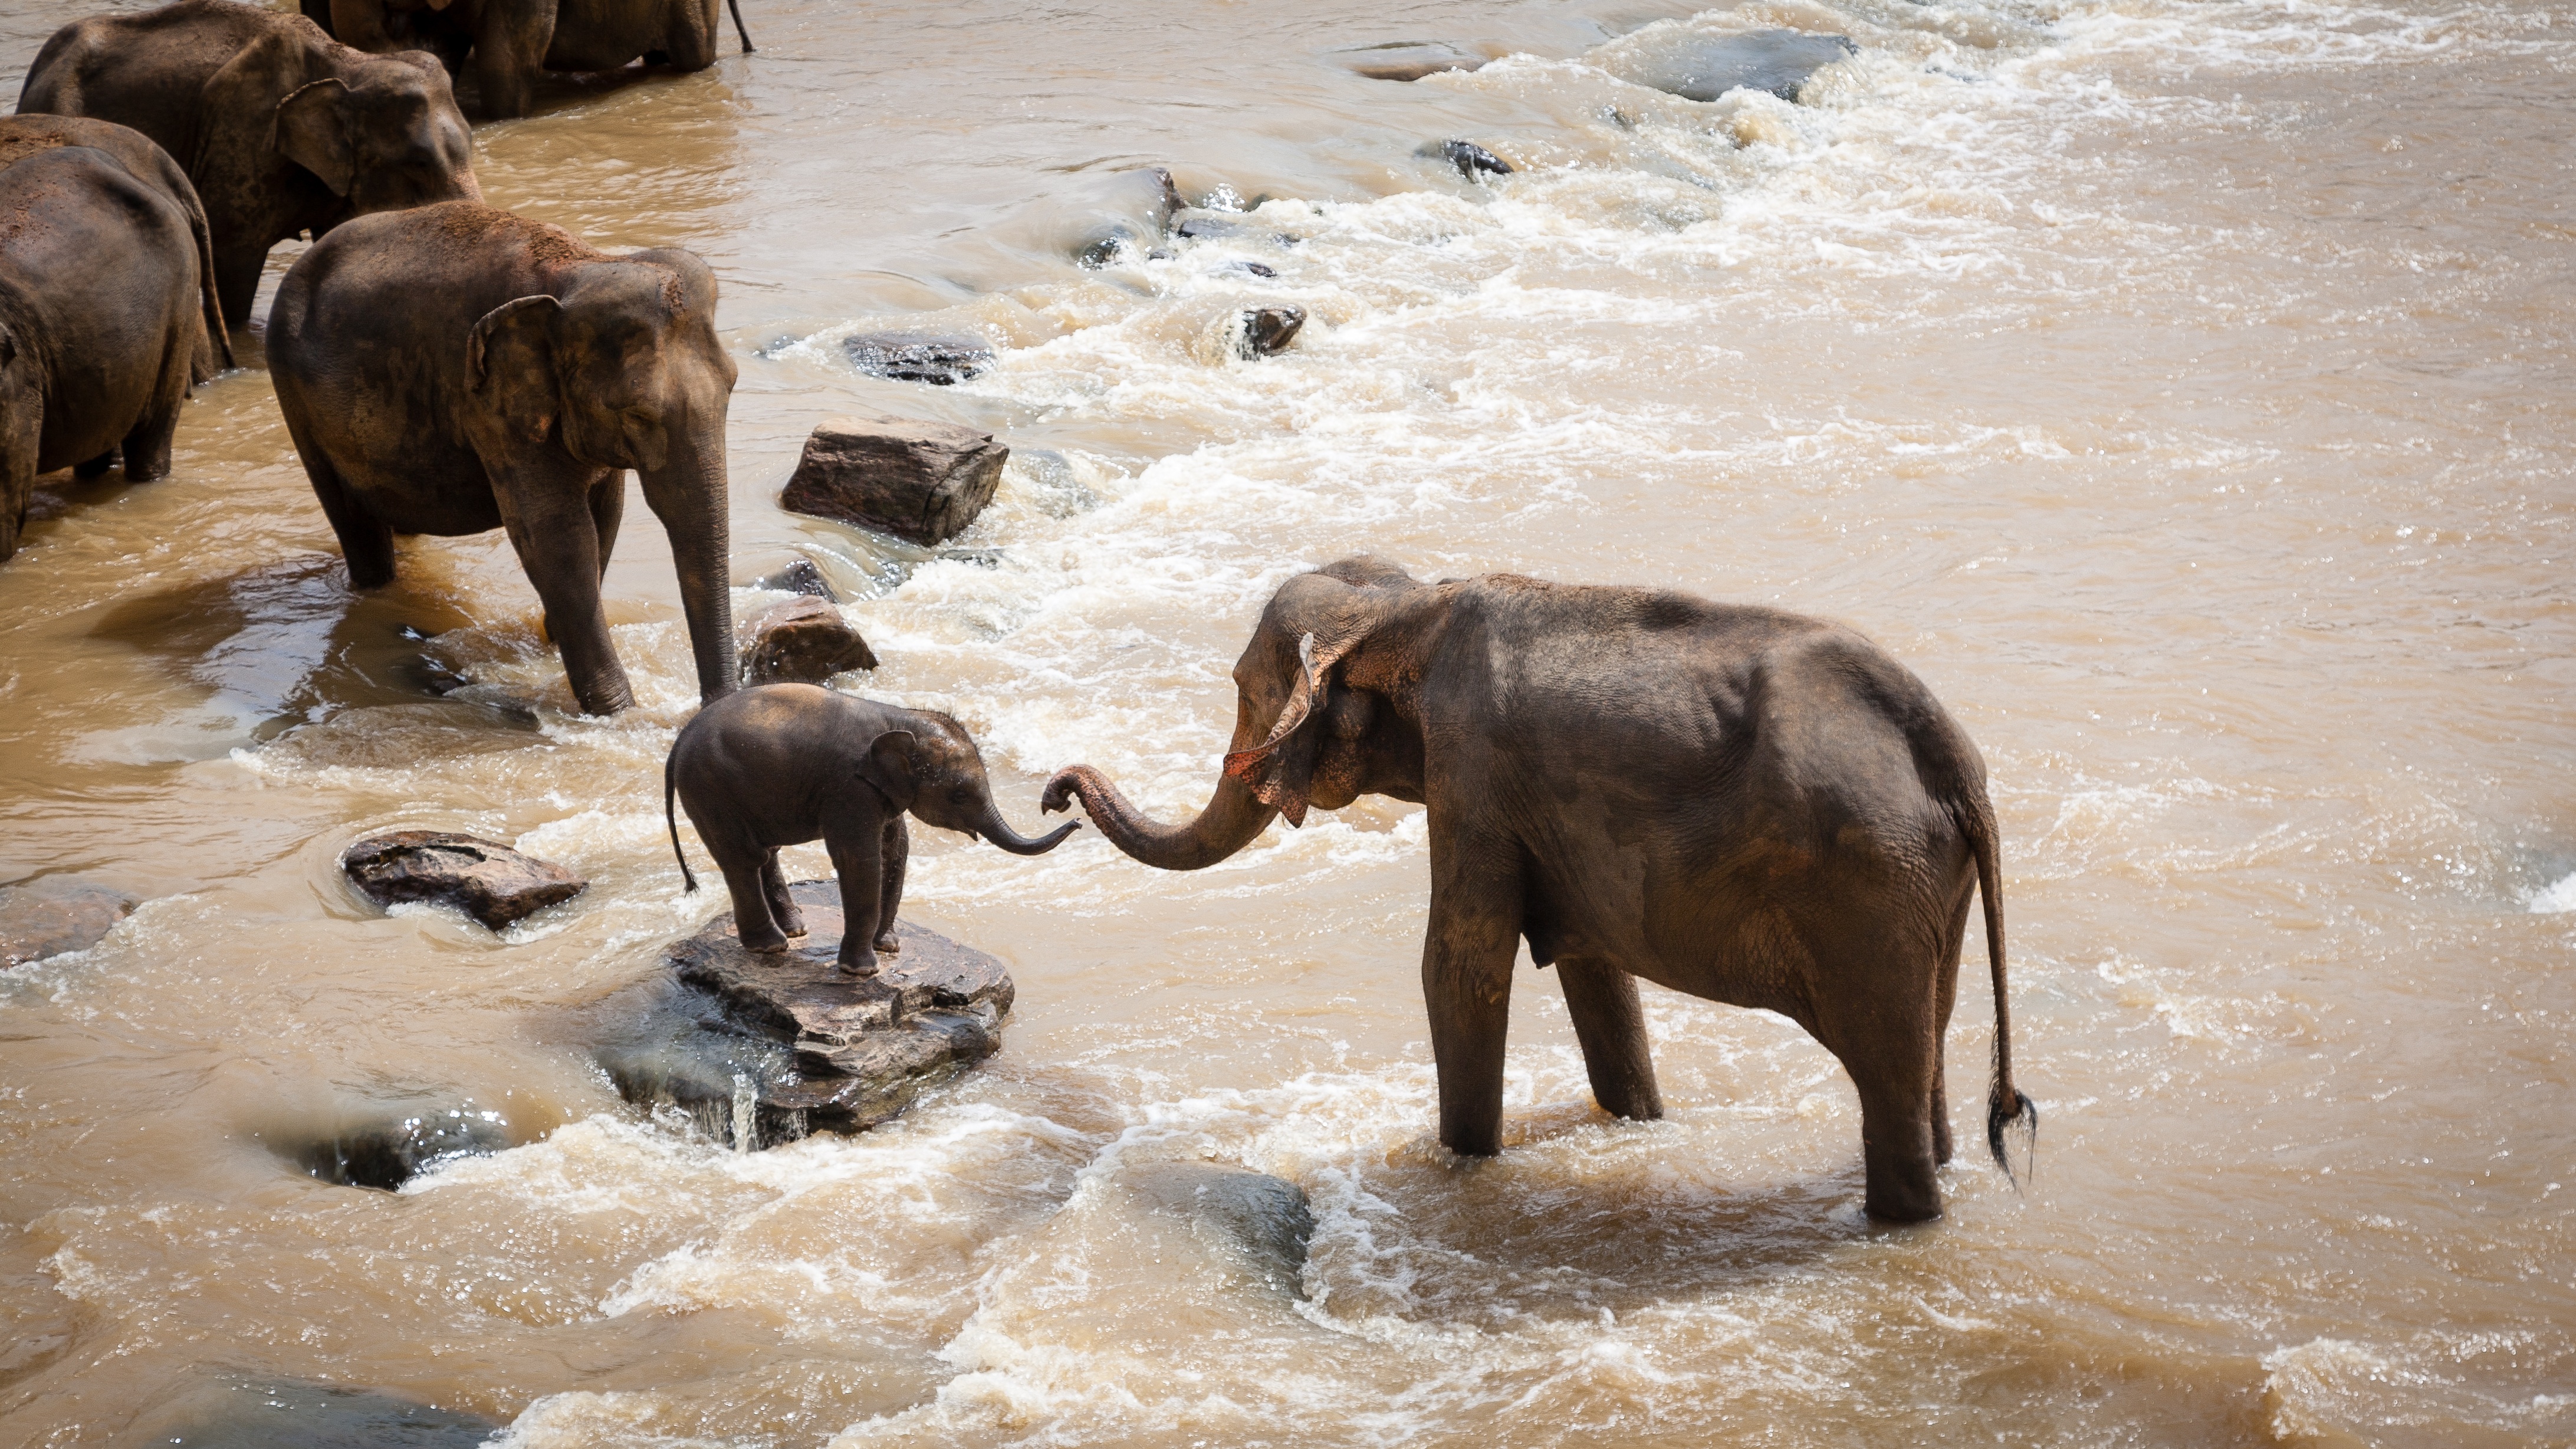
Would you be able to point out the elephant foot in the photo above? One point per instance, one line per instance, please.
(766, 948)
(853, 968)
(796, 933)
(887, 945)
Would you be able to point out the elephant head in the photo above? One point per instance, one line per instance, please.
(1321, 718)
(620, 367)
(937, 774)
(383, 131)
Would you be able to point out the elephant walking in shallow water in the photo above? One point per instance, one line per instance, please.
(1742, 804)
(454, 369)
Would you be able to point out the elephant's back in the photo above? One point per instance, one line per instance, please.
(142, 71)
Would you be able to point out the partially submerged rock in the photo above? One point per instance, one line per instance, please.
(56, 916)
(1267, 331)
(392, 1150)
(919, 356)
(1213, 228)
(230, 1412)
(1134, 211)
(800, 576)
(803, 640)
(483, 878)
(1407, 60)
(923, 482)
(1473, 161)
(1261, 1222)
(1701, 67)
(862, 1048)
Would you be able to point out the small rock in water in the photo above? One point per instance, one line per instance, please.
(799, 577)
(920, 481)
(1262, 1220)
(386, 1154)
(803, 640)
(1407, 60)
(1267, 331)
(1473, 161)
(1254, 269)
(864, 1047)
(485, 879)
(919, 356)
(1210, 228)
(1139, 204)
(1704, 67)
(238, 1413)
(56, 916)
(982, 558)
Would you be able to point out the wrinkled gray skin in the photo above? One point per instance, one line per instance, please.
(1741, 804)
(282, 129)
(25, 136)
(455, 369)
(782, 764)
(101, 322)
(512, 42)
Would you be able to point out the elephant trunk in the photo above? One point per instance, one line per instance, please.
(1228, 823)
(998, 830)
(689, 493)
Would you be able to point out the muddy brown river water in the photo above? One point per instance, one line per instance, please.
(2182, 389)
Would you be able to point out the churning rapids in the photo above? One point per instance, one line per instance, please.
(2180, 388)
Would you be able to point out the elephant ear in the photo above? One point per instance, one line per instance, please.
(888, 767)
(510, 366)
(1280, 770)
(312, 131)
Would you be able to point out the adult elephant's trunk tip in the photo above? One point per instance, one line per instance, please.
(1230, 821)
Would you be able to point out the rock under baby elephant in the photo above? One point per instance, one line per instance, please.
(485, 879)
(802, 640)
(1407, 60)
(923, 482)
(1700, 67)
(918, 357)
(865, 1048)
(57, 915)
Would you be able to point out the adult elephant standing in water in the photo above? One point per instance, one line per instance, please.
(509, 43)
(456, 369)
(1742, 804)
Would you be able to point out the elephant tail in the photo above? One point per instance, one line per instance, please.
(671, 817)
(736, 7)
(2005, 1104)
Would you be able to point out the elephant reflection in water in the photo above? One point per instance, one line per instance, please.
(455, 369)
(1738, 803)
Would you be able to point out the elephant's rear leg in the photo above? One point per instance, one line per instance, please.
(366, 543)
(89, 468)
(146, 450)
(1610, 1023)
(746, 871)
(1892, 1062)
(782, 906)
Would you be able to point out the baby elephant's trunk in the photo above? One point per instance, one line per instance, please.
(998, 830)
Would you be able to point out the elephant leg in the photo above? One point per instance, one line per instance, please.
(237, 270)
(548, 518)
(510, 45)
(1467, 955)
(607, 510)
(147, 448)
(855, 835)
(895, 851)
(782, 906)
(366, 543)
(752, 923)
(89, 468)
(1611, 1025)
(1889, 1050)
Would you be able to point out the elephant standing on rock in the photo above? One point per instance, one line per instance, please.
(282, 130)
(455, 369)
(512, 42)
(782, 764)
(1742, 804)
(101, 322)
(25, 136)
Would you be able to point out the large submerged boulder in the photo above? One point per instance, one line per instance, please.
(923, 482)
(941, 360)
(483, 878)
(1702, 67)
(803, 640)
(56, 916)
(858, 1050)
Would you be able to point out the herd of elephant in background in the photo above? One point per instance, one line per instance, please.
(1743, 804)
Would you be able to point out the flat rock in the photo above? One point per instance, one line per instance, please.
(1406, 60)
(923, 482)
(57, 915)
(1701, 67)
(483, 878)
(864, 1047)
(1267, 331)
(803, 640)
(919, 356)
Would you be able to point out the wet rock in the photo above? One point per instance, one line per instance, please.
(799, 577)
(57, 915)
(863, 1048)
(684, 1052)
(1701, 67)
(1407, 60)
(387, 1153)
(235, 1413)
(919, 356)
(1261, 1221)
(1253, 269)
(1473, 161)
(1212, 228)
(1137, 209)
(803, 640)
(982, 558)
(1267, 331)
(920, 481)
(485, 879)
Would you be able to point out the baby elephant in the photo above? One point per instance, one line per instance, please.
(782, 764)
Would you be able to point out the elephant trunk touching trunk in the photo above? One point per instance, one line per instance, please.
(1228, 824)
(998, 830)
(688, 493)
